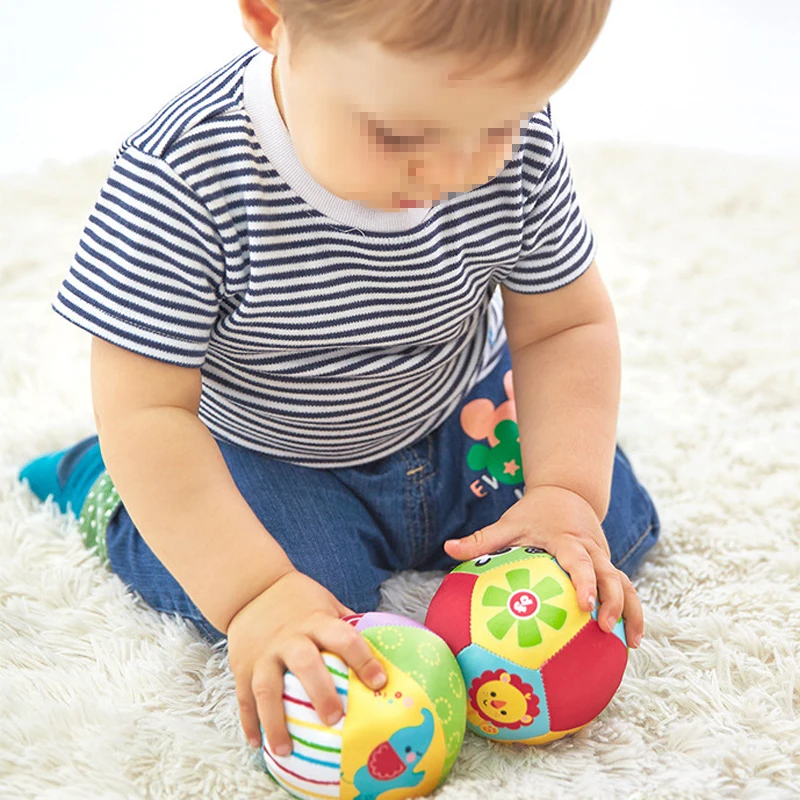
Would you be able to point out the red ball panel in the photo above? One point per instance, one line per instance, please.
(581, 678)
(449, 611)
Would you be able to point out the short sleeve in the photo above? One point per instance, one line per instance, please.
(557, 245)
(148, 272)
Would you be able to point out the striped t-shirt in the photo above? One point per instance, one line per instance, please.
(328, 333)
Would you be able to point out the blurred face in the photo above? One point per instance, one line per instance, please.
(393, 132)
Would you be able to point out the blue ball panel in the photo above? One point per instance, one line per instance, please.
(475, 661)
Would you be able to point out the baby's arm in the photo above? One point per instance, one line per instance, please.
(565, 357)
(179, 492)
(176, 485)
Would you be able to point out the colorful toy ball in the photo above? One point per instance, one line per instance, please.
(536, 666)
(398, 742)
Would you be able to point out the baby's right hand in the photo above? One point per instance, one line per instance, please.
(285, 627)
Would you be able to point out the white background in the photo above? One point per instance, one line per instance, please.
(80, 75)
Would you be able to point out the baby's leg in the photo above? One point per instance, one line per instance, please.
(66, 475)
(323, 528)
(632, 525)
(76, 480)
(319, 522)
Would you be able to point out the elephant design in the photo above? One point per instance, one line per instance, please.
(390, 764)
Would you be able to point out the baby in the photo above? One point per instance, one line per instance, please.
(340, 291)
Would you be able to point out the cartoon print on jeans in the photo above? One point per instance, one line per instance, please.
(503, 458)
(501, 700)
(479, 417)
(390, 764)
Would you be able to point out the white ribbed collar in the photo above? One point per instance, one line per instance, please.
(272, 135)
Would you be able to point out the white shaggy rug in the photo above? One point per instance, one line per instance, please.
(101, 697)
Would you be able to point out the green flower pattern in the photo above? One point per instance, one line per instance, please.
(528, 632)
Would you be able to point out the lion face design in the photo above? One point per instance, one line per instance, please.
(503, 699)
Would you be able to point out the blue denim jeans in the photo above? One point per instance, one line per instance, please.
(351, 528)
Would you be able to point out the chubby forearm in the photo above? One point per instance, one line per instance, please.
(567, 390)
(181, 496)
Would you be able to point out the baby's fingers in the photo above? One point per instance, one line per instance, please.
(573, 557)
(611, 595)
(305, 661)
(262, 699)
(634, 617)
(343, 639)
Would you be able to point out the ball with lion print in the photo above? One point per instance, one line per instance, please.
(536, 666)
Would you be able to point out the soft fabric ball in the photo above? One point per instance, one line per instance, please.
(536, 666)
(401, 740)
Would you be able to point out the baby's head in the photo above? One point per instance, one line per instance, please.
(411, 100)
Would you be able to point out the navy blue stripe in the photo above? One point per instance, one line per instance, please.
(124, 300)
(332, 427)
(425, 254)
(374, 403)
(286, 376)
(231, 128)
(149, 243)
(499, 201)
(307, 332)
(173, 206)
(190, 98)
(148, 268)
(352, 272)
(105, 326)
(525, 284)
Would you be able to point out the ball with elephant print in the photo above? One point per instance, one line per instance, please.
(399, 741)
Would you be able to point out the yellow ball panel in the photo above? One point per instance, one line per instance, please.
(525, 611)
(377, 718)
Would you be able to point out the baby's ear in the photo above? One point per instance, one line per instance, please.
(477, 418)
(508, 385)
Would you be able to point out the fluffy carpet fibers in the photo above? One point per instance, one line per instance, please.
(101, 697)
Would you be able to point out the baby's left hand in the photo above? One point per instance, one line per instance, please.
(566, 526)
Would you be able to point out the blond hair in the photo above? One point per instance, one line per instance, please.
(546, 37)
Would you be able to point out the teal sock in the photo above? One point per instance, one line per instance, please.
(66, 475)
